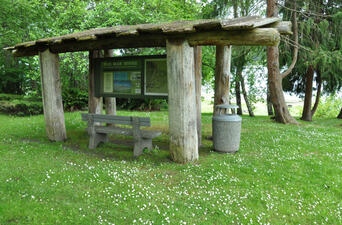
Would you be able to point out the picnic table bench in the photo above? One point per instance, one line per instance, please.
(99, 133)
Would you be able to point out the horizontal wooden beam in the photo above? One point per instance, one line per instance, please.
(257, 36)
(283, 27)
(108, 42)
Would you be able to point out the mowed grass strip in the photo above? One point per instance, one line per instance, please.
(282, 174)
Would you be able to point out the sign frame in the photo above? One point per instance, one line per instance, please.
(140, 67)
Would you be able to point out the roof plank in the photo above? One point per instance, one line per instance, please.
(150, 35)
(247, 23)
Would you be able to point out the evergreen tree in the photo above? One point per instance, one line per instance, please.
(320, 54)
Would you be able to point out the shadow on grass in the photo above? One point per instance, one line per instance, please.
(121, 148)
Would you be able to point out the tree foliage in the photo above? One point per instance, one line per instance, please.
(25, 20)
(320, 43)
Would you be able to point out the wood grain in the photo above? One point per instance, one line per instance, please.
(182, 101)
(52, 96)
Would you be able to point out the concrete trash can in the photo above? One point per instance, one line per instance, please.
(226, 130)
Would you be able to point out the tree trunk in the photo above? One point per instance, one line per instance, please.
(198, 81)
(222, 76)
(306, 115)
(182, 101)
(318, 93)
(269, 102)
(282, 114)
(245, 95)
(238, 96)
(340, 115)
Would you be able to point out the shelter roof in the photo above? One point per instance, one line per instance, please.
(199, 32)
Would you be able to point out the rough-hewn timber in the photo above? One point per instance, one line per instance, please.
(222, 76)
(109, 101)
(283, 27)
(94, 103)
(221, 32)
(182, 101)
(198, 80)
(52, 96)
(258, 36)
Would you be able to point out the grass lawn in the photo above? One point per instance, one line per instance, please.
(282, 174)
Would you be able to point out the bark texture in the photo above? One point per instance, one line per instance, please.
(269, 102)
(282, 114)
(318, 93)
(309, 112)
(198, 79)
(306, 115)
(222, 76)
(52, 96)
(238, 96)
(182, 101)
(245, 95)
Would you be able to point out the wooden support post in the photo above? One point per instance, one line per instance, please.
(109, 101)
(182, 101)
(94, 103)
(222, 75)
(198, 80)
(110, 106)
(52, 96)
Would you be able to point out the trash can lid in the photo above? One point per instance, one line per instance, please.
(227, 118)
(227, 106)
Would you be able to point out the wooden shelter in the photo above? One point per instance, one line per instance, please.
(182, 40)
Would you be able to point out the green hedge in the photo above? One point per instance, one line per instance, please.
(73, 99)
(21, 107)
(11, 97)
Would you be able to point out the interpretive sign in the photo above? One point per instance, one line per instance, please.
(131, 77)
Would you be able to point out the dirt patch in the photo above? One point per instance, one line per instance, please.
(131, 143)
(12, 221)
(28, 140)
(72, 147)
(209, 138)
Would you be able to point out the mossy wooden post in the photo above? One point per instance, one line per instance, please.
(222, 76)
(182, 101)
(198, 79)
(52, 96)
(94, 103)
(110, 102)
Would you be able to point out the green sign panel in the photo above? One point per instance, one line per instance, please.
(131, 77)
(155, 77)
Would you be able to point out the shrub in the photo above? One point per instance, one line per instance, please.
(141, 104)
(296, 110)
(21, 107)
(75, 99)
(329, 107)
